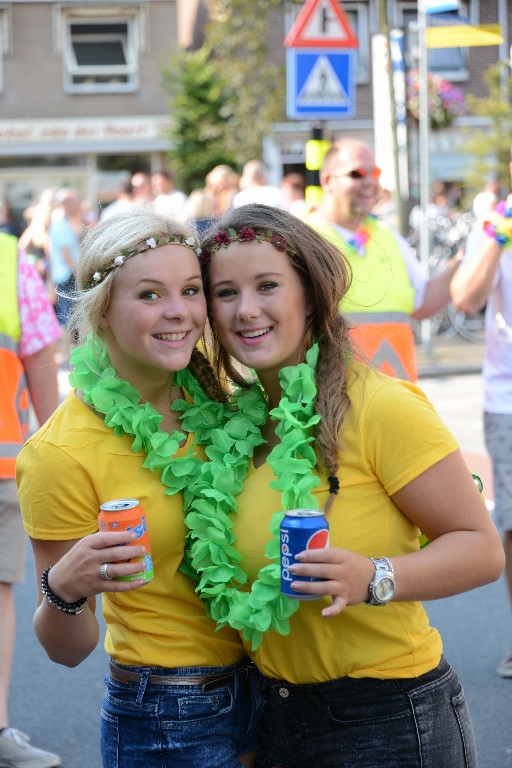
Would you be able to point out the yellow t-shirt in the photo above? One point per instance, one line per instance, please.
(392, 435)
(65, 471)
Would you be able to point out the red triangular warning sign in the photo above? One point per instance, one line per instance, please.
(321, 24)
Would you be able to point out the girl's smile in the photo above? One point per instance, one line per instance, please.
(156, 315)
(259, 306)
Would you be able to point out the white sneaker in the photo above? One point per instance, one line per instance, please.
(16, 752)
(505, 666)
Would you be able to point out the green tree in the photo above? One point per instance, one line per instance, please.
(200, 113)
(240, 36)
(225, 96)
(491, 146)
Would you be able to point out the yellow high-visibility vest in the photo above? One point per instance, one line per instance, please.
(14, 399)
(380, 300)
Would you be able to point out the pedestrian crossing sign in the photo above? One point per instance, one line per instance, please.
(320, 83)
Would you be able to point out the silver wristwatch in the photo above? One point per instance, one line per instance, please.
(382, 587)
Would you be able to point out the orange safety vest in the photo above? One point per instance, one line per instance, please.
(14, 399)
(380, 300)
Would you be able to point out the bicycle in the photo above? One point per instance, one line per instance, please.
(446, 236)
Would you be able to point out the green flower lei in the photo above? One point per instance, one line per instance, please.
(120, 403)
(209, 488)
(262, 608)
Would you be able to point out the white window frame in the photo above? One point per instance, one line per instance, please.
(361, 31)
(454, 75)
(5, 40)
(73, 69)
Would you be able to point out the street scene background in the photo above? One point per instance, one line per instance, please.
(132, 110)
(60, 707)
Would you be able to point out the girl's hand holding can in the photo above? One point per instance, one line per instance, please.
(78, 573)
(340, 573)
(127, 515)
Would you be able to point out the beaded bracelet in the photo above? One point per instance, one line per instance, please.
(499, 226)
(74, 609)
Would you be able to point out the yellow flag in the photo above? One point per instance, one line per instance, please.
(463, 35)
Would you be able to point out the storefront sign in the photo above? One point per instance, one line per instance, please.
(71, 135)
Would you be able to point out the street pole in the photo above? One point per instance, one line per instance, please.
(313, 174)
(424, 120)
(384, 30)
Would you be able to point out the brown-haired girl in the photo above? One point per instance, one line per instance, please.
(356, 676)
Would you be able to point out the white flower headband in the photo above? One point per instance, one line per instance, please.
(151, 242)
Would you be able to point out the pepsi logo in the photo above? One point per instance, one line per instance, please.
(318, 540)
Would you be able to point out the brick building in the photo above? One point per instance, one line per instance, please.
(82, 101)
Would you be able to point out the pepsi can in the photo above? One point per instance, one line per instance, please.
(301, 529)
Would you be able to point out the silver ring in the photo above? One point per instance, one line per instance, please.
(104, 572)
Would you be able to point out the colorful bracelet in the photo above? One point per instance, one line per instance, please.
(499, 226)
(74, 609)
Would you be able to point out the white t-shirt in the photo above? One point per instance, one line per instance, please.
(172, 205)
(497, 369)
(264, 195)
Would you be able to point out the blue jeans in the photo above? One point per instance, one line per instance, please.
(418, 722)
(159, 726)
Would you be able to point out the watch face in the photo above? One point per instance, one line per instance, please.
(384, 589)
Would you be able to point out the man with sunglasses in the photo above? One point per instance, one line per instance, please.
(388, 286)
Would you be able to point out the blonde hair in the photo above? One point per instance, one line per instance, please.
(326, 277)
(99, 247)
(101, 244)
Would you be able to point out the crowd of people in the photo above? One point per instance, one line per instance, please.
(56, 222)
(162, 300)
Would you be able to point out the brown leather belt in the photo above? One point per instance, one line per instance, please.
(208, 682)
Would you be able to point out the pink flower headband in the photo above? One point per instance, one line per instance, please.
(223, 238)
(151, 242)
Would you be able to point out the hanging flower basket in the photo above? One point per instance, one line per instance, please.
(445, 101)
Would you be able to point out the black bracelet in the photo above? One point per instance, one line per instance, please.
(74, 609)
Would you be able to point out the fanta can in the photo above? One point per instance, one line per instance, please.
(128, 515)
(301, 529)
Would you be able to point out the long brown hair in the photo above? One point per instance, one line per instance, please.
(326, 277)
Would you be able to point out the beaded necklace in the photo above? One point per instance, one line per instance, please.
(356, 239)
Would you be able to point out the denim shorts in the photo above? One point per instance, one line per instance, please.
(498, 441)
(13, 543)
(418, 722)
(159, 726)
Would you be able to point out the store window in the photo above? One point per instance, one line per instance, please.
(100, 57)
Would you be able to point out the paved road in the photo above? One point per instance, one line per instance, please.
(59, 707)
(477, 626)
